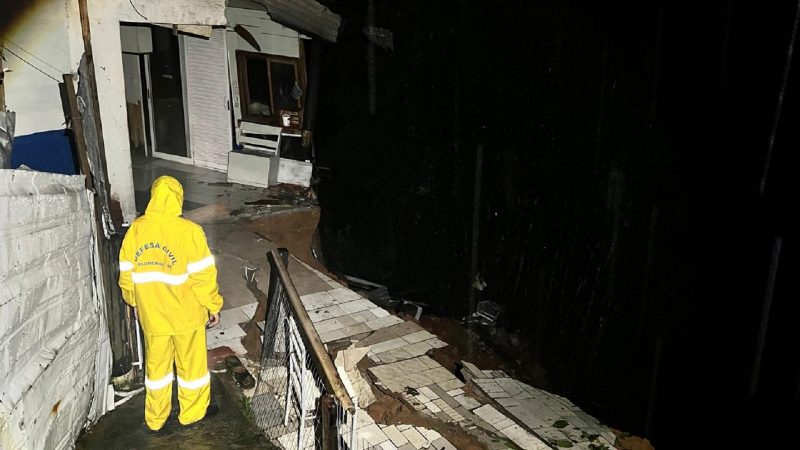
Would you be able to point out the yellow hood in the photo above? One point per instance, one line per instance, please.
(166, 198)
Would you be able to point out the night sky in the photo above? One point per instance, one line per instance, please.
(623, 225)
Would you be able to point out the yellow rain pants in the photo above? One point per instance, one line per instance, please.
(188, 352)
(167, 272)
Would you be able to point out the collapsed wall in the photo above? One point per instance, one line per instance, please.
(54, 349)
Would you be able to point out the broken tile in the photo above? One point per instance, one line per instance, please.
(233, 316)
(318, 315)
(439, 374)
(249, 309)
(372, 434)
(343, 294)
(524, 439)
(426, 391)
(418, 336)
(437, 343)
(388, 445)
(442, 444)
(449, 385)
(415, 438)
(489, 414)
(383, 322)
(317, 300)
(355, 306)
(388, 345)
(379, 312)
(328, 325)
(433, 407)
(353, 330)
(418, 349)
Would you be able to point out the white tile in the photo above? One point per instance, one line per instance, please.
(222, 333)
(418, 349)
(524, 439)
(443, 444)
(439, 374)
(344, 294)
(355, 306)
(328, 325)
(430, 435)
(317, 300)
(384, 322)
(415, 438)
(437, 343)
(395, 435)
(334, 335)
(233, 316)
(489, 414)
(388, 445)
(467, 402)
(433, 407)
(379, 312)
(450, 385)
(418, 336)
(318, 315)
(427, 392)
(422, 399)
(372, 434)
(249, 309)
(385, 346)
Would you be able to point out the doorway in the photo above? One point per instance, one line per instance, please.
(164, 81)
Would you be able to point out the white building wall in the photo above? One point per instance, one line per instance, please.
(54, 349)
(42, 37)
(106, 43)
(50, 31)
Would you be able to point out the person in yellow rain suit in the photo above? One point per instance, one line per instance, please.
(167, 273)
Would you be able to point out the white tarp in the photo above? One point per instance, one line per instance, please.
(54, 349)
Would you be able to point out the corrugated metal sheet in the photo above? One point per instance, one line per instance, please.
(208, 96)
(306, 16)
(54, 351)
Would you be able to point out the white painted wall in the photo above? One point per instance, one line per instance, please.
(106, 43)
(55, 357)
(272, 37)
(50, 31)
(136, 39)
(41, 36)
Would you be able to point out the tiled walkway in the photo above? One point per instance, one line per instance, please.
(397, 349)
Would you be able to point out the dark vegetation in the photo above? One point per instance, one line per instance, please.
(621, 223)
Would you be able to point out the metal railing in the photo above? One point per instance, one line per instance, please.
(300, 401)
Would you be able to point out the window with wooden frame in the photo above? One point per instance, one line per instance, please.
(269, 86)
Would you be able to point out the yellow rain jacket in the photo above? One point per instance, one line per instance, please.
(166, 268)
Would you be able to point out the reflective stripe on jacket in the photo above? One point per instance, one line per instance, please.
(166, 268)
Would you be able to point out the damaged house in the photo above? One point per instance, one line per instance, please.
(227, 86)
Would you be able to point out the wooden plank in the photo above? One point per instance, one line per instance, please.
(74, 121)
(2, 85)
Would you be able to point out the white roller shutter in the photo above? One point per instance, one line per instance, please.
(208, 98)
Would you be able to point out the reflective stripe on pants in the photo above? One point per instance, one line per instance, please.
(187, 352)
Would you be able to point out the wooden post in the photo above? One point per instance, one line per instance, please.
(74, 121)
(2, 86)
(328, 430)
(92, 80)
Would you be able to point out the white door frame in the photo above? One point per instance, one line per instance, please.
(180, 159)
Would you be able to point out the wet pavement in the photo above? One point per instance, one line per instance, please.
(124, 427)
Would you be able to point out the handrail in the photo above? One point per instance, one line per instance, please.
(310, 337)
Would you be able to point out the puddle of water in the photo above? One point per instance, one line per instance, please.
(124, 428)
